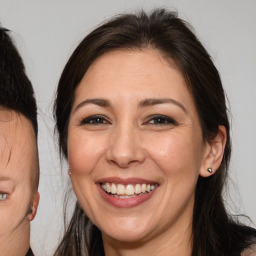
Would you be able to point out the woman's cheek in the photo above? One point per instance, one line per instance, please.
(166, 150)
(84, 153)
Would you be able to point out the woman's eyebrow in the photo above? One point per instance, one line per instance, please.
(144, 103)
(155, 101)
(97, 101)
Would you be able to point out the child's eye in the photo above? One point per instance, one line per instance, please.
(161, 120)
(3, 196)
(94, 120)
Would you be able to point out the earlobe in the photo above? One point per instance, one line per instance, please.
(214, 153)
(34, 207)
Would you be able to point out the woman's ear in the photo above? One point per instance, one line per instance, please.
(213, 153)
(34, 207)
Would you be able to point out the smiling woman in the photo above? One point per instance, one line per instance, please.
(142, 121)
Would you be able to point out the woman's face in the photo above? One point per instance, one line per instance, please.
(18, 160)
(135, 146)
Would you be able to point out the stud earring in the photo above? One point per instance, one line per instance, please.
(69, 172)
(209, 170)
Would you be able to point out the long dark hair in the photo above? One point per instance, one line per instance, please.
(214, 232)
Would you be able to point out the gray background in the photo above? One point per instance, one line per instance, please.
(46, 33)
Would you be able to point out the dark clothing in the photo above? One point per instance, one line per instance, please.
(29, 253)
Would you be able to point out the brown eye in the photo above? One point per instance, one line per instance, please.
(161, 120)
(94, 120)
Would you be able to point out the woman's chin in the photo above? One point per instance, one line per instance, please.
(126, 234)
(120, 237)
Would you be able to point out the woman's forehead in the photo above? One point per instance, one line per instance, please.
(131, 76)
(132, 70)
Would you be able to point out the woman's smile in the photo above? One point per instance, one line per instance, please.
(135, 145)
(125, 193)
(142, 120)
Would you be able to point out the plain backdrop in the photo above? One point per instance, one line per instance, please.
(46, 32)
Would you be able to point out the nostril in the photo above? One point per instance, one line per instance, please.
(122, 163)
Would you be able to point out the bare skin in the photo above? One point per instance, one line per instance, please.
(18, 196)
(134, 121)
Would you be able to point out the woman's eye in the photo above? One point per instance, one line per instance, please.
(3, 196)
(94, 120)
(161, 120)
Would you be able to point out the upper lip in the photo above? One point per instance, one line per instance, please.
(126, 181)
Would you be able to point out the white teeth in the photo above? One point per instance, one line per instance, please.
(129, 190)
(137, 188)
(120, 189)
(113, 189)
(108, 188)
(117, 196)
(143, 188)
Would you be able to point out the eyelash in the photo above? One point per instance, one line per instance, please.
(157, 120)
(94, 120)
(3, 196)
(161, 120)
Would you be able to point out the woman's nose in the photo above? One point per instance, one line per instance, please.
(125, 147)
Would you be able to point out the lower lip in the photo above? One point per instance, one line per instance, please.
(126, 202)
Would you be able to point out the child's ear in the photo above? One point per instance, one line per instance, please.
(213, 154)
(34, 207)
